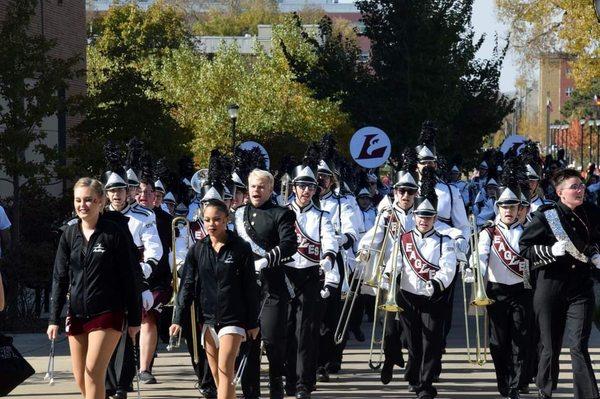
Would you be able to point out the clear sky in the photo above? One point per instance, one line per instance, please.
(485, 21)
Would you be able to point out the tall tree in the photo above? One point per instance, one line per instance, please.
(569, 26)
(423, 60)
(30, 80)
(123, 101)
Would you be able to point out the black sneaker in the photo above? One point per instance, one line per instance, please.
(146, 377)
(119, 395)
(524, 390)
(412, 388)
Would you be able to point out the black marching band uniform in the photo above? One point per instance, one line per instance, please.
(563, 289)
(270, 231)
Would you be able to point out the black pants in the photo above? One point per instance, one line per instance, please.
(273, 330)
(330, 353)
(509, 322)
(392, 344)
(121, 369)
(556, 301)
(301, 348)
(423, 325)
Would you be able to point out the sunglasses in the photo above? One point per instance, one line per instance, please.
(304, 186)
(409, 191)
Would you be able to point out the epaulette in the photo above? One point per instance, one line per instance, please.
(143, 208)
(72, 222)
(139, 212)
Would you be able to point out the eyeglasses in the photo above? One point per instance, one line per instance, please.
(579, 186)
(304, 186)
(409, 191)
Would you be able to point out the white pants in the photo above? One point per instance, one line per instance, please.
(223, 331)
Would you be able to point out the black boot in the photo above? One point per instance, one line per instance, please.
(322, 374)
(387, 371)
(276, 388)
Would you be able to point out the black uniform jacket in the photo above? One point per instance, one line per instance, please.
(222, 285)
(582, 227)
(99, 281)
(272, 227)
(161, 277)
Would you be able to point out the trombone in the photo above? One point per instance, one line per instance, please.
(175, 340)
(389, 306)
(354, 290)
(357, 281)
(480, 300)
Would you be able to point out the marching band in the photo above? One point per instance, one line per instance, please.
(218, 257)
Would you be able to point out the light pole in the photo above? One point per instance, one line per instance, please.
(548, 108)
(233, 115)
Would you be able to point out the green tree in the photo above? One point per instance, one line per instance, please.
(423, 61)
(570, 26)
(275, 109)
(581, 103)
(30, 80)
(123, 100)
(332, 69)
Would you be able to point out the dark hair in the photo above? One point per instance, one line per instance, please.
(217, 203)
(147, 182)
(565, 174)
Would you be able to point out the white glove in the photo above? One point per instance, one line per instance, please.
(363, 256)
(325, 293)
(146, 269)
(260, 264)
(326, 264)
(147, 300)
(429, 290)
(341, 239)
(469, 276)
(462, 245)
(385, 283)
(559, 248)
(596, 260)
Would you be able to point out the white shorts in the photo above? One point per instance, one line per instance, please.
(223, 331)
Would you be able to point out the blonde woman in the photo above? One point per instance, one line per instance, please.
(94, 265)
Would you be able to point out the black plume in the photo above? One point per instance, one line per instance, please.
(560, 155)
(427, 135)
(113, 156)
(513, 173)
(443, 169)
(135, 147)
(219, 170)
(428, 182)
(362, 181)
(531, 154)
(328, 149)
(246, 161)
(312, 156)
(146, 167)
(347, 173)
(409, 160)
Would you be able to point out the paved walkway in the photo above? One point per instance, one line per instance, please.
(176, 380)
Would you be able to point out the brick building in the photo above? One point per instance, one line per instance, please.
(63, 21)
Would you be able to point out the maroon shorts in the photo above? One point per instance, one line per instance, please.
(161, 298)
(77, 326)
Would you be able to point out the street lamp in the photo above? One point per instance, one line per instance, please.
(233, 114)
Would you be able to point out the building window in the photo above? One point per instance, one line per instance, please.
(569, 91)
